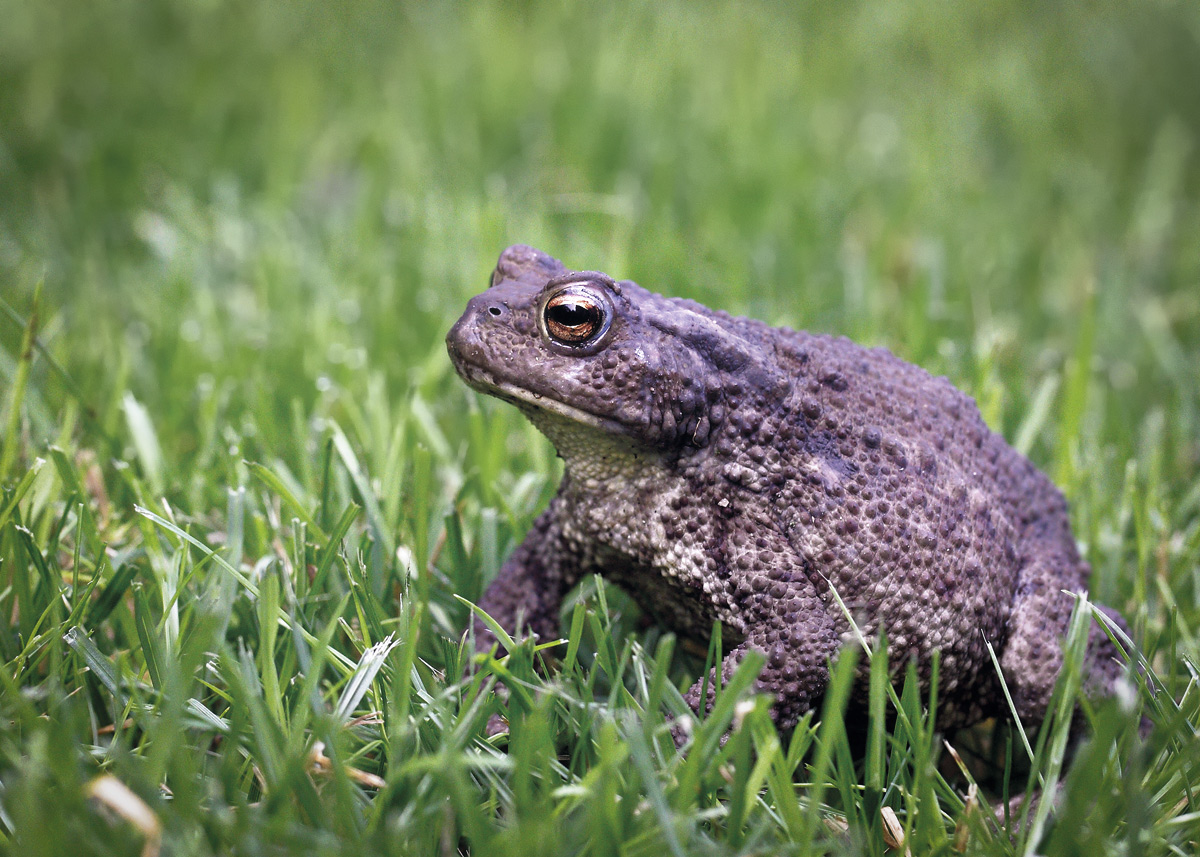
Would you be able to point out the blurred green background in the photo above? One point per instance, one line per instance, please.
(260, 195)
(255, 221)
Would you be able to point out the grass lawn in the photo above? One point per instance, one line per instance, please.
(241, 489)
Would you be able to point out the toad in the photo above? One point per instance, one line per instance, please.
(723, 470)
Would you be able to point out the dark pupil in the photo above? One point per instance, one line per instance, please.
(573, 314)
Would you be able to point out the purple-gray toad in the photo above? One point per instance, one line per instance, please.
(721, 469)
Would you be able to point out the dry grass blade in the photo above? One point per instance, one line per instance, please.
(893, 831)
(117, 797)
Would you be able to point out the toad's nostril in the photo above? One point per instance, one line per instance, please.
(495, 310)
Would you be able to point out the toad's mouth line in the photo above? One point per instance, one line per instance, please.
(485, 381)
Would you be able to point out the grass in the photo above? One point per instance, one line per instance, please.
(241, 488)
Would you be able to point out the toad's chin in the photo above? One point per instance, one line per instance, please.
(532, 404)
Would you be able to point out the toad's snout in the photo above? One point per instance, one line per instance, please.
(485, 314)
(462, 341)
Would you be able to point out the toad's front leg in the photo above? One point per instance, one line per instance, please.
(785, 619)
(528, 592)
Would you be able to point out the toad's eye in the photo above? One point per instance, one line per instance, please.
(576, 315)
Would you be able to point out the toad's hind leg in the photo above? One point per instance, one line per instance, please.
(1033, 656)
